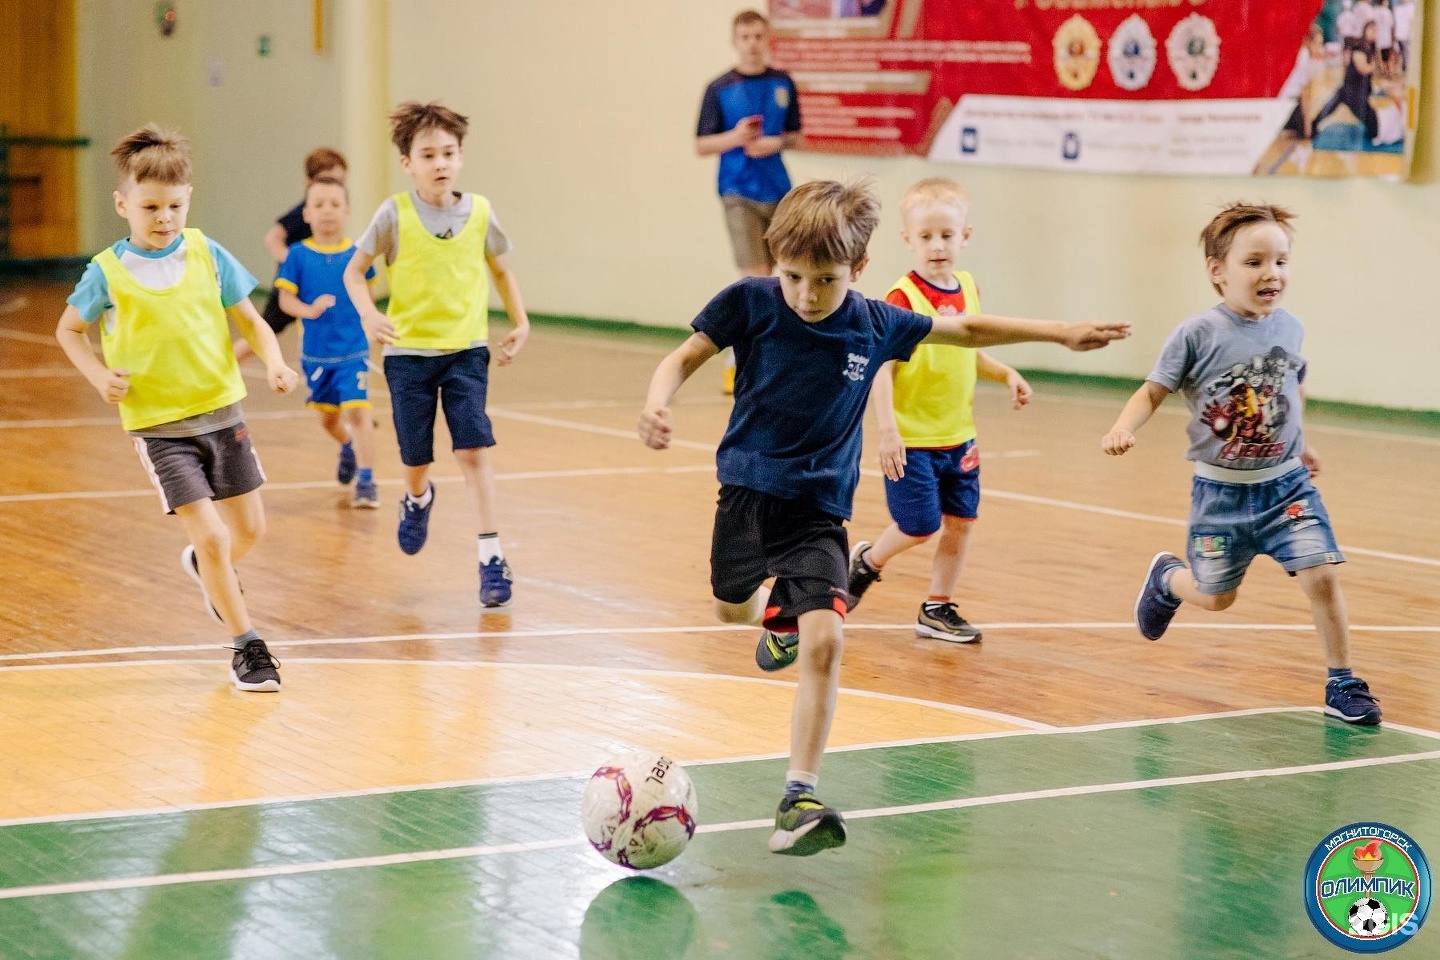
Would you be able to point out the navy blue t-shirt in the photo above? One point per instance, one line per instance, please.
(800, 388)
(730, 99)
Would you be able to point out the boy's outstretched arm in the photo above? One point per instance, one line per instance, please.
(508, 287)
(882, 400)
(984, 330)
(673, 371)
(377, 325)
(72, 332)
(262, 341)
(1138, 409)
(988, 368)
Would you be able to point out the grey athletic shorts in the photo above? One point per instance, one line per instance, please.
(747, 222)
(212, 466)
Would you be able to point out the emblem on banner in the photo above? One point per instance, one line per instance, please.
(1077, 53)
(1132, 54)
(1194, 51)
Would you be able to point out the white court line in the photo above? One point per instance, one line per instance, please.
(705, 628)
(490, 850)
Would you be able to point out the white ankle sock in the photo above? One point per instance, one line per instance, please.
(490, 547)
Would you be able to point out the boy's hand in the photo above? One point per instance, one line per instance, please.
(1093, 336)
(1117, 441)
(749, 128)
(1311, 459)
(511, 345)
(1020, 392)
(281, 378)
(892, 455)
(320, 304)
(378, 327)
(655, 427)
(113, 386)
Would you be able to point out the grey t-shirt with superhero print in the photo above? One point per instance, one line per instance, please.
(1241, 380)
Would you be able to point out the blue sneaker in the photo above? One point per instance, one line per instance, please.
(776, 651)
(495, 581)
(1156, 606)
(367, 496)
(1350, 699)
(345, 469)
(414, 522)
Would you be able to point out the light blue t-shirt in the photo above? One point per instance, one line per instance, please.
(158, 270)
(1241, 380)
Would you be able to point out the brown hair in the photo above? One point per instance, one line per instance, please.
(319, 160)
(1219, 233)
(745, 17)
(824, 221)
(933, 190)
(153, 154)
(412, 116)
(328, 181)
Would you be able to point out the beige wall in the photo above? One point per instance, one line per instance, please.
(582, 136)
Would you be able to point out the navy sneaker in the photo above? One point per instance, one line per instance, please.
(495, 581)
(1156, 606)
(1350, 699)
(367, 496)
(861, 574)
(414, 522)
(804, 826)
(776, 651)
(345, 469)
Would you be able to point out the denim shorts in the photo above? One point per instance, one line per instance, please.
(1232, 523)
(936, 482)
(455, 382)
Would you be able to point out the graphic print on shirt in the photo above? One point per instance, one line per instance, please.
(855, 366)
(1250, 407)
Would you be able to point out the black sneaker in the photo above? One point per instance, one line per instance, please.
(942, 621)
(861, 573)
(1350, 699)
(805, 826)
(776, 651)
(191, 563)
(1156, 606)
(252, 668)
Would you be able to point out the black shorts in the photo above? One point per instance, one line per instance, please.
(277, 319)
(758, 536)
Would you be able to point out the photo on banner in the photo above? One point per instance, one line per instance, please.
(1319, 88)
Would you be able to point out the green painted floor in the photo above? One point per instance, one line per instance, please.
(1199, 870)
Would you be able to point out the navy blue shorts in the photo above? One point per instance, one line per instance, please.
(458, 383)
(805, 549)
(936, 482)
(1233, 523)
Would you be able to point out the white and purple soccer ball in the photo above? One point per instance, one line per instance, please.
(639, 810)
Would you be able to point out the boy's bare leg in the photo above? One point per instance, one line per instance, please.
(752, 611)
(890, 544)
(1327, 606)
(814, 710)
(362, 435)
(479, 472)
(950, 552)
(417, 482)
(330, 422)
(1182, 585)
(214, 547)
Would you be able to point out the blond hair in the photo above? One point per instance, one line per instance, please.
(1219, 234)
(940, 190)
(154, 155)
(825, 221)
(412, 117)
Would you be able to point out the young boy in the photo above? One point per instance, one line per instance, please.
(439, 243)
(1239, 368)
(925, 407)
(334, 352)
(164, 298)
(289, 229)
(748, 116)
(807, 349)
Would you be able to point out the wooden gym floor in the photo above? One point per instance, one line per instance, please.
(1062, 789)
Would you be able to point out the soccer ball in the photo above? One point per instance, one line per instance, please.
(1367, 917)
(639, 810)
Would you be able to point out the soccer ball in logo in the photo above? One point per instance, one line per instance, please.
(1367, 917)
(639, 810)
